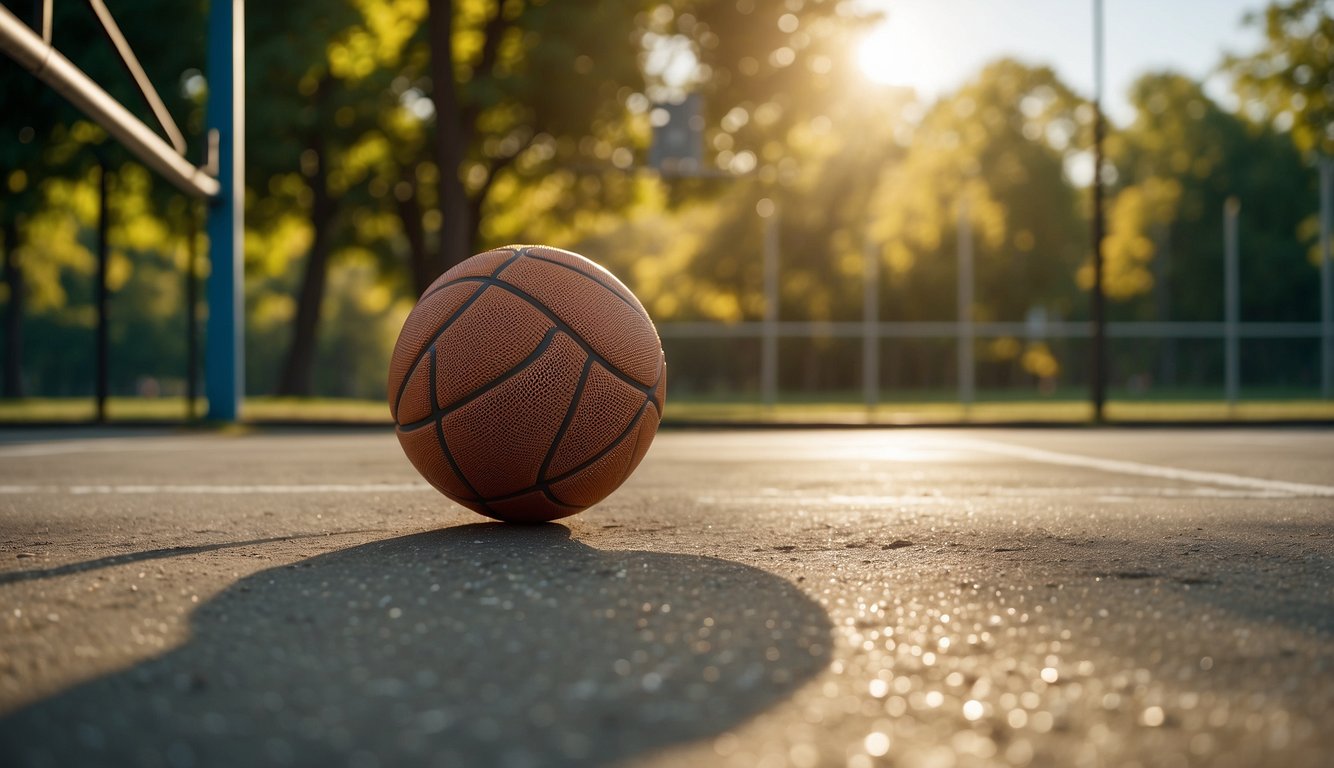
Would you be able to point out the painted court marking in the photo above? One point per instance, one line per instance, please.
(1144, 470)
(1266, 486)
(1101, 493)
(100, 445)
(222, 490)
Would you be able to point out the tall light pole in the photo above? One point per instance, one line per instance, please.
(1098, 367)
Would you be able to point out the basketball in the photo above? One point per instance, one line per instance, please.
(527, 383)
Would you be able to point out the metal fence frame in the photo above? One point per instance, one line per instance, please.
(965, 333)
(965, 330)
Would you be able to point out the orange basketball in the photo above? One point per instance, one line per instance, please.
(527, 383)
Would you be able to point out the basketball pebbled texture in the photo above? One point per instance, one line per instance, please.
(527, 383)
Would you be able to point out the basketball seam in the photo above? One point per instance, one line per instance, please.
(439, 412)
(551, 497)
(494, 272)
(417, 359)
(545, 485)
(653, 396)
(430, 345)
(629, 465)
(444, 447)
(565, 327)
(638, 310)
(569, 418)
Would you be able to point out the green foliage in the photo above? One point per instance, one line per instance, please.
(1138, 215)
(993, 151)
(1289, 81)
(1178, 162)
(353, 146)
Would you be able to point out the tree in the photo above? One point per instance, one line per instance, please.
(523, 87)
(993, 151)
(1289, 81)
(311, 104)
(47, 148)
(555, 95)
(489, 122)
(1138, 219)
(396, 92)
(24, 156)
(19, 165)
(1176, 164)
(1198, 155)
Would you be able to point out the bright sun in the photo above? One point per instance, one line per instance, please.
(889, 58)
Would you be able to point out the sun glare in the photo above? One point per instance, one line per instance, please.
(889, 57)
(880, 59)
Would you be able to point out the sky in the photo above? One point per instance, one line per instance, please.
(936, 45)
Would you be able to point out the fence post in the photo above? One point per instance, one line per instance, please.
(871, 327)
(191, 310)
(769, 340)
(1231, 304)
(964, 330)
(103, 338)
(1326, 278)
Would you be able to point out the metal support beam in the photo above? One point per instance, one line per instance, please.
(42, 12)
(224, 361)
(37, 55)
(137, 74)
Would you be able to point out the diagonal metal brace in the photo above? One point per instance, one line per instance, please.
(37, 55)
(137, 74)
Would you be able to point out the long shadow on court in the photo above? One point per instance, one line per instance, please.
(477, 645)
(12, 577)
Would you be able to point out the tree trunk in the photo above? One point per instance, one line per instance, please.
(12, 385)
(297, 371)
(410, 214)
(449, 142)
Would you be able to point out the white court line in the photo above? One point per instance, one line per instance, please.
(100, 445)
(224, 490)
(28, 489)
(1025, 492)
(1144, 470)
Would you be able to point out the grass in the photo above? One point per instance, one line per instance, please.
(999, 412)
(804, 411)
(258, 409)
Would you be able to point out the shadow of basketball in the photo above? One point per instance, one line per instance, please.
(477, 645)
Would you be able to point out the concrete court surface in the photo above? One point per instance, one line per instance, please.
(748, 598)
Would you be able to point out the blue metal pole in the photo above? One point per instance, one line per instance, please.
(224, 351)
